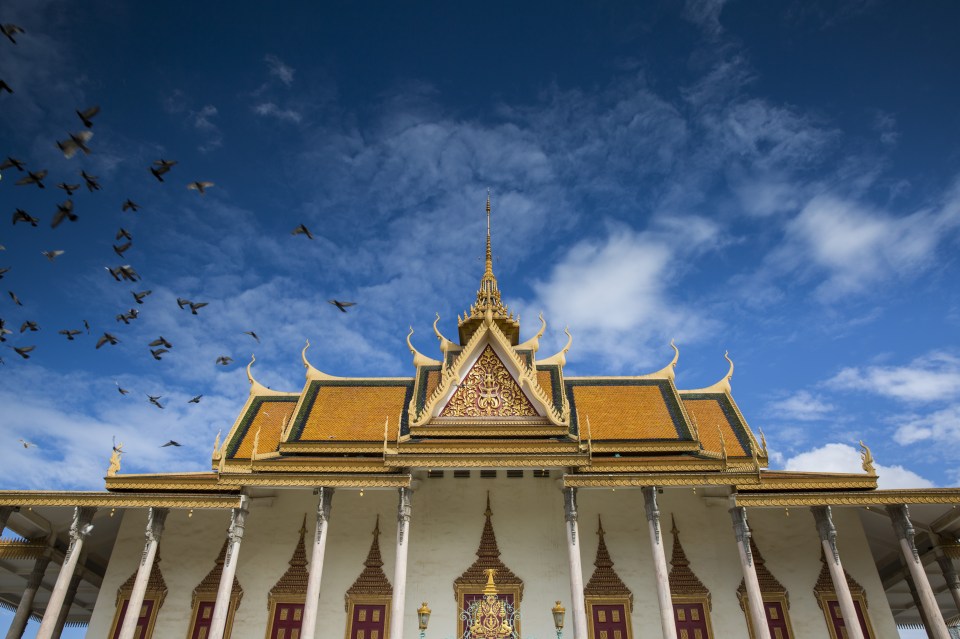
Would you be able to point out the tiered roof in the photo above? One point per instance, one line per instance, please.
(488, 558)
(372, 580)
(605, 582)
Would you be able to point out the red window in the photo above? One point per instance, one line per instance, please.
(143, 621)
(369, 621)
(775, 619)
(691, 621)
(839, 626)
(287, 619)
(609, 622)
(201, 627)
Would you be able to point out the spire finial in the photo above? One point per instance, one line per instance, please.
(489, 269)
(488, 513)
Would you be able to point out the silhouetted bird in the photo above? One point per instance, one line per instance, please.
(342, 305)
(123, 233)
(86, 325)
(195, 400)
(302, 230)
(3, 271)
(24, 351)
(4, 331)
(69, 188)
(69, 333)
(160, 167)
(170, 443)
(91, 181)
(161, 341)
(182, 303)
(87, 114)
(5, 87)
(16, 300)
(155, 400)
(253, 335)
(157, 352)
(130, 204)
(33, 178)
(76, 142)
(121, 390)
(64, 212)
(121, 249)
(22, 216)
(107, 337)
(200, 186)
(158, 172)
(29, 326)
(223, 360)
(52, 255)
(10, 30)
(139, 296)
(129, 316)
(27, 444)
(125, 272)
(11, 163)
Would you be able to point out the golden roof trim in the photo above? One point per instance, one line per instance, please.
(499, 430)
(493, 461)
(645, 446)
(533, 344)
(22, 548)
(466, 447)
(445, 344)
(640, 480)
(891, 497)
(559, 358)
(37, 498)
(334, 447)
(652, 464)
(317, 479)
(720, 386)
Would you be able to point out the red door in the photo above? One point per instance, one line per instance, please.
(775, 620)
(201, 627)
(287, 619)
(368, 621)
(691, 621)
(839, 626)
(609, 622)
(143, 621)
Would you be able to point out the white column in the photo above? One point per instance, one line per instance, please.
(949, 575)
(400, 573)
(665, 601)
(758, 616)
(316, 563)
(25, 607)
(79, 529)
(900, 517)
(828, 540)
(238, 518)
(577, 611)
(67, 602)
(155, 520)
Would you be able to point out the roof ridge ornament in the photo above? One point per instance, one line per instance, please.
(419, 359)
(721, 386)
(668, 371)
(560, 358)
(866, 459)
(445, 344)
(256, 388)
(533, 343)
(313, 373)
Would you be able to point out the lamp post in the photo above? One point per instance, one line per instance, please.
(423, 618)
(558, 611)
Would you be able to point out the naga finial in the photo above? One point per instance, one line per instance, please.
(115, 460)
(866, 459)
(303, 355)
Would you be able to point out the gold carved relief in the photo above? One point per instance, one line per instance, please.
(489, 390)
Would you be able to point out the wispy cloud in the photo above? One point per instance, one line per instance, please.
(202, 119)
(934, 377)
(843, 458)
(272, 110)
(279, 70)
(802, 405)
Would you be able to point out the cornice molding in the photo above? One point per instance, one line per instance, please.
(864, 498)
(118, 500)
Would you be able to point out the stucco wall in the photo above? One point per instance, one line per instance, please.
(528, 520)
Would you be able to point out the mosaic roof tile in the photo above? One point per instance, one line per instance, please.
(626, 409)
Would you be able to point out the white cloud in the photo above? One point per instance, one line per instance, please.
(802, 405)
(705, 14)
(934, 377)
(842, 458)
(279, 70)
(942, 426)
(272, 110)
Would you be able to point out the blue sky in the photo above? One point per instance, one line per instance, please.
(779, 180)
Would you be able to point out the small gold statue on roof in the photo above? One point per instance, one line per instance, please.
(866, 459)
(115, 460)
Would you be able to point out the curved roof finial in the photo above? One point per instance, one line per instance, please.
(669, 371)
(419, 359)
(303, 355)
(445, 344)
(534, 342)
(560, 358)
(721, 386)
(312, 373)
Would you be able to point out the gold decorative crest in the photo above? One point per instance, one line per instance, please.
(489, 390)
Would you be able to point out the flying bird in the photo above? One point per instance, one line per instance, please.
(121, 249)
(123, 233)
(86, 325)
(64, 211)
(69, 188)
(3, 271)
(29, 326)
(342, 305)
(253, 335)
(122, 391)
(91, 181)
(195, 400)
(171, 443)
(69, 333)
(27, 444)
(107, 337)
(158, 172)
(22, 216)
(4, 331)
(87, 114)
(129, 316)
(5, 87)
(139, 296)
(302, 230)
(130, 205)
(200, 186)
(157, 352)
(182, 303)
(16, 300)
(223, 360)
(23, 351)
(161, 167)
(76, 142)
(155, 400)
(33, 178)
(161, 341)
(10, 30)
(125, 272)
(11, 162)
(52, 255)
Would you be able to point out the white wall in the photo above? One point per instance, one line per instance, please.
(528, 520)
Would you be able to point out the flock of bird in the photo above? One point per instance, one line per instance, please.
(79, 142)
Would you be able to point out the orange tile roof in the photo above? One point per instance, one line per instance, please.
(433, 380)
(621, 409)
(709, 414)
(267, 416)
(341, 411)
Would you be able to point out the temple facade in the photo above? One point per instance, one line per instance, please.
(487, 495)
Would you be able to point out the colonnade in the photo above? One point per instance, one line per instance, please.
(56, 610)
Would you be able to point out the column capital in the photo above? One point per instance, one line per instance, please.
(156, 518)
(324, 503)
(652, 509)
(828, 533)
(570, 511)
(404, 510)
(903, 527)
(949, 571)
(742, 531)
(81, 526)
(238, 519)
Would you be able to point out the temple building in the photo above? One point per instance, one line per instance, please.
(492, 496)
